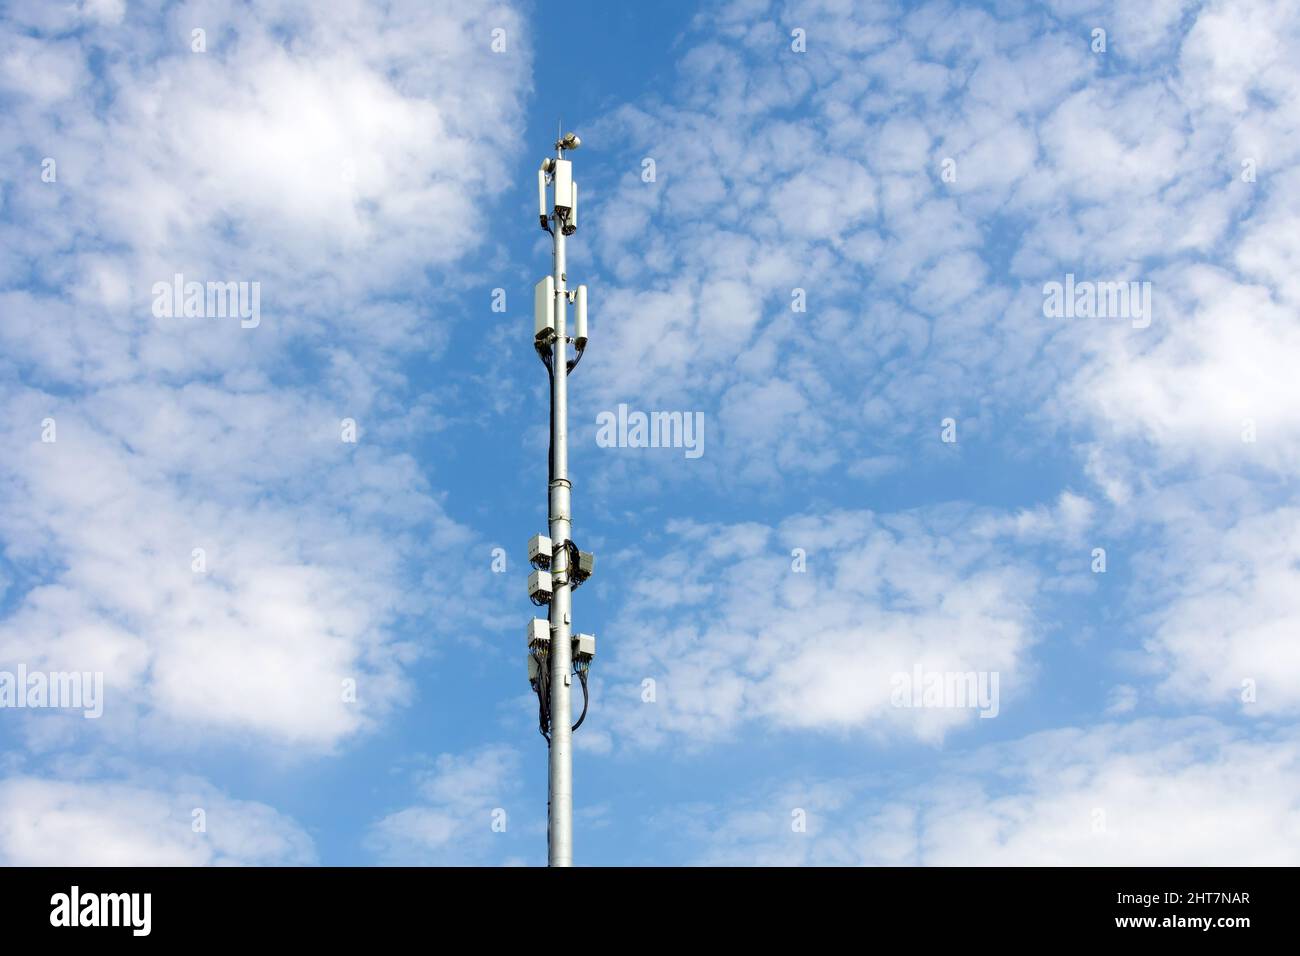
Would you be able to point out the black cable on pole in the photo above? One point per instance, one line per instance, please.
(582, 679)
(550, 438)
(577, 357)
(542, 687)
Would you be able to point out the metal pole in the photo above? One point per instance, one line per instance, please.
(560, 806)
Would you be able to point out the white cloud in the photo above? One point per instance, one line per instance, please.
(1122, 700)
(1236, 48)
(469, 805)
(1063, 164)
(289, 603)
(304, 138)
(1217, 387)
(1065, 521)
(317, 150)
(730, 633)
(1158, 792)
(46, 822)
(1227, 634)
(925, 301)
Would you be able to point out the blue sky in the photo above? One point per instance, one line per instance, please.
(915, 174)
